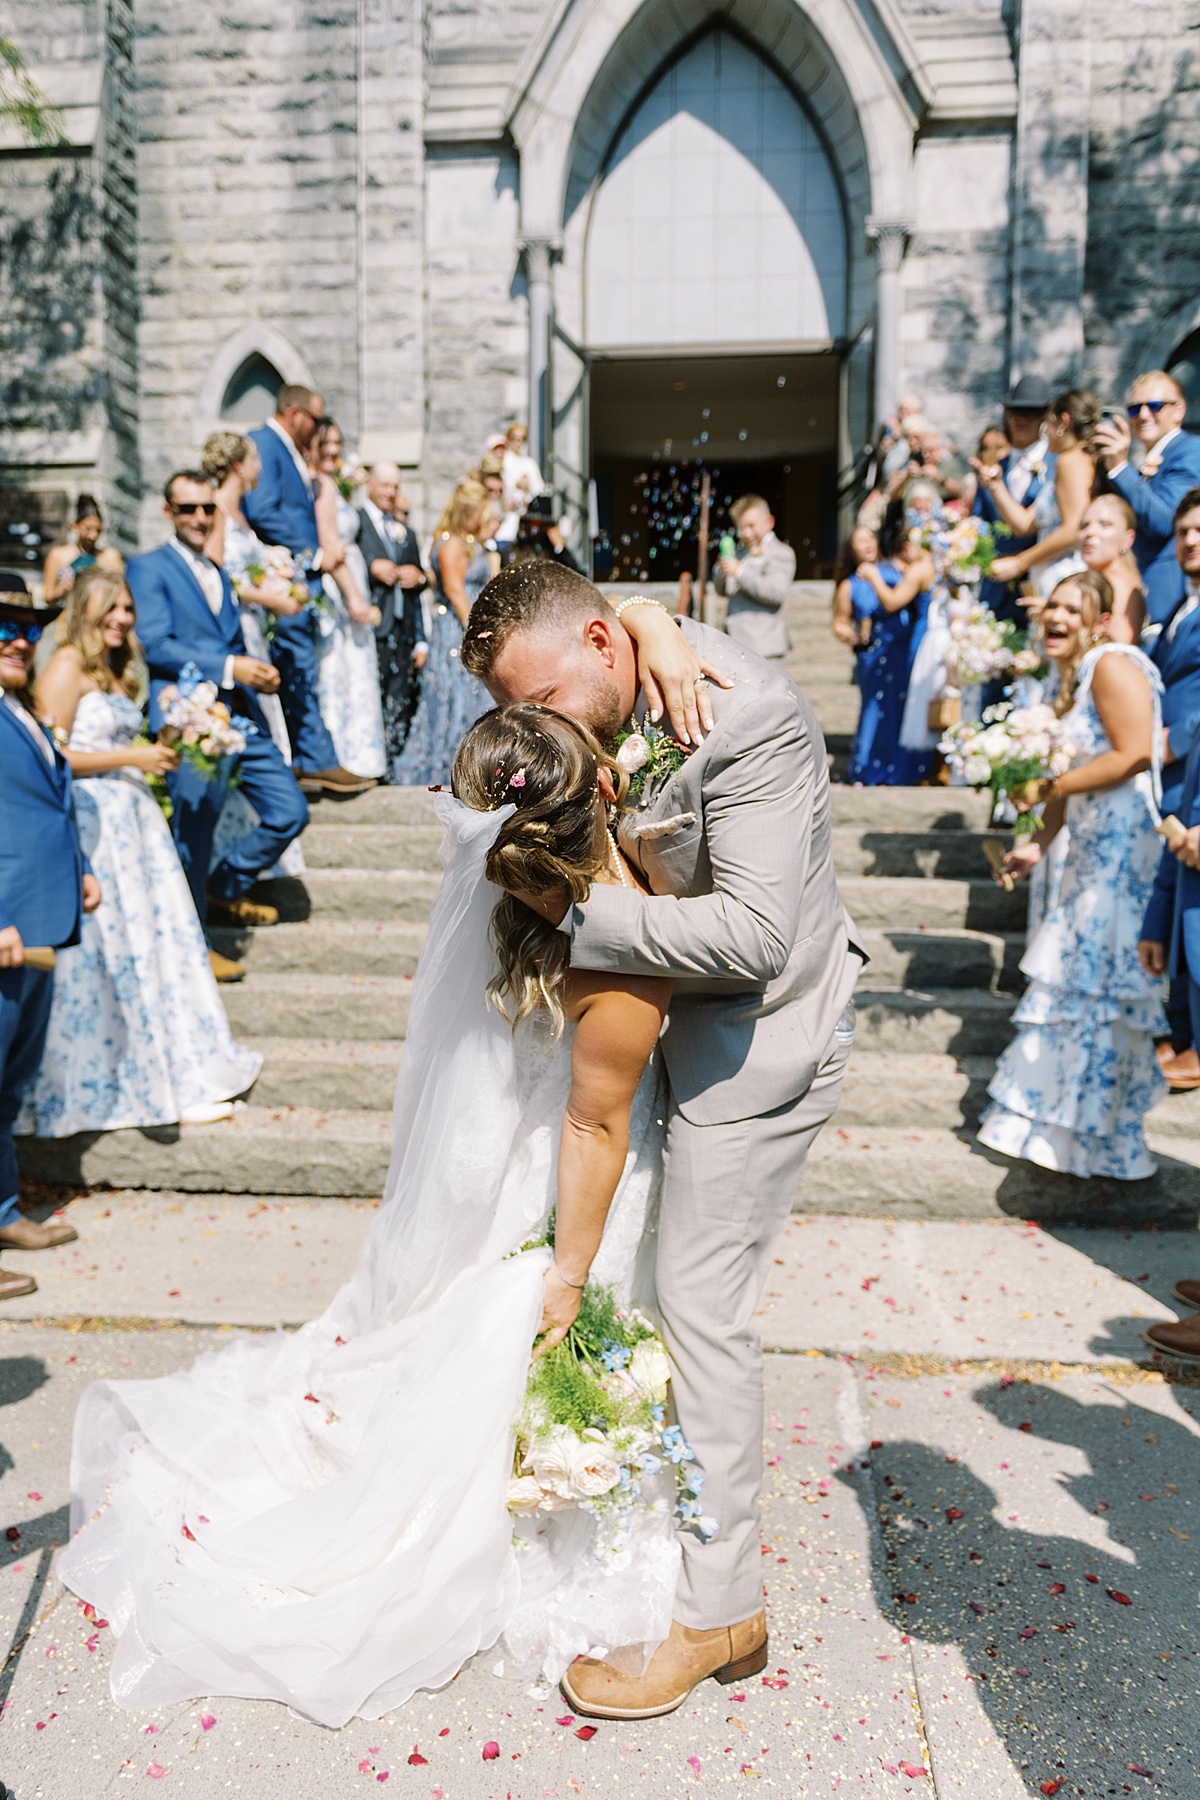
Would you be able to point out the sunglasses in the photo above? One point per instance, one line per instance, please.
(207, 508)
(1137, 407)
(12, 633)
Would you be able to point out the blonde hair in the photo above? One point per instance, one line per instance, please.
(469, 496)
(1096, 595)
(94, 593)
(222, 450)
(555, 842)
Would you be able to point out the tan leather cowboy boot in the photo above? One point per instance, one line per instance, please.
(683, 1660)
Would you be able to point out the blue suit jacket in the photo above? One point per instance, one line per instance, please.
(1154, 504)
(41, 864)
(1001, 596)
(280, 508)
(1173, 913)
(1178, 662)
(176, 626)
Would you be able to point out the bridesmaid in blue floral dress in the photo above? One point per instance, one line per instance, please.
(451, 700)
(893, 595)
(1072, 1090)
(138, 1035)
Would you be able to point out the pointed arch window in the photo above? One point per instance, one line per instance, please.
(250, 392)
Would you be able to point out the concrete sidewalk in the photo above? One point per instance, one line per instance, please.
(958, 1441)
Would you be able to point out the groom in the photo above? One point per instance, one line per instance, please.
(744, 912)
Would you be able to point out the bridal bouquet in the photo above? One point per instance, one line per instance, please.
(276, 570)
(197, 724)
(982, 647)
(963, 549)
(592, 1429)
(1012, 752)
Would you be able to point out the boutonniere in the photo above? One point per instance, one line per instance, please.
(1037, 468)
(649, 756)
(62, 738)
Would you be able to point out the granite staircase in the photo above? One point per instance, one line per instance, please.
(327, 991)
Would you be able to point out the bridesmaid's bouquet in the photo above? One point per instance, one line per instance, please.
(197, 724)
(277, 570)
(593, 1429)
(982, 647)
(1012, 751)
(963, 548)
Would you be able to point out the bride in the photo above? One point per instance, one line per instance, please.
(319, 1517)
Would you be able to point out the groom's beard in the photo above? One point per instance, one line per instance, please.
(602, 712)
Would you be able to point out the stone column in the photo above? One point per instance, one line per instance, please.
(540, 255)
(889, 236)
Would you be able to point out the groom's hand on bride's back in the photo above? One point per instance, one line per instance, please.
(551, 907)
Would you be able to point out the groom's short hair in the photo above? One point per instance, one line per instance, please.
(532, 596)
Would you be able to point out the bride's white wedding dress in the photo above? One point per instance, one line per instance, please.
(318, 1517)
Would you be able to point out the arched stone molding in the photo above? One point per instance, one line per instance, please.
(268, 342)
(1155, 350)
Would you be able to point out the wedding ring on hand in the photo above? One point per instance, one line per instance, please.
(699, 680)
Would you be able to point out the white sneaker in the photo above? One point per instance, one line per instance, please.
(206, 1115)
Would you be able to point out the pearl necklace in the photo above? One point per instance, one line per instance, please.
(618, 865)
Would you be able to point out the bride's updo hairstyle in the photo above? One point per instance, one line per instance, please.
(556, 842)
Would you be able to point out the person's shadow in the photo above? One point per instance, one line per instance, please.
(1094, 1685)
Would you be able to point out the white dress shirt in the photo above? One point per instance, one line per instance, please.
(1153, 456)
(213, 589)
(1186, 610)
(385, 526)
(1020, 470)
(302, 468)
(31, 725)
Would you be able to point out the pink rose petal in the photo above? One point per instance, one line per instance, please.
(157, 1770)
(491, 1751)
(207, 1721)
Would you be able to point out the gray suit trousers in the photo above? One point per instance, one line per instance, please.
(727, 1193)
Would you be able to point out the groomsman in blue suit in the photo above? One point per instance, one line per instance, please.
(1027, 468)
(186, 613)
(1170, 466)
(45, 889)
(1176, 651)
(282, 511)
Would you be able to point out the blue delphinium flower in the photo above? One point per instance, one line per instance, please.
(614, 1357)
(674, 1446)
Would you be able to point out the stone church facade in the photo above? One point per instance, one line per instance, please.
(673, 234)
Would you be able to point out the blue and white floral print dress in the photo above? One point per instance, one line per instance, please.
(1073, 1088)
(137, 1030)
(451, 700)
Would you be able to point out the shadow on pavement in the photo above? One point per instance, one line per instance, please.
(1082, 1687)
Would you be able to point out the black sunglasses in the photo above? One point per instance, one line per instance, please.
(11, 632)
(208, 508)
(1137, 407)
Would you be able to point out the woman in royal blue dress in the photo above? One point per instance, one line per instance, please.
(890, 597)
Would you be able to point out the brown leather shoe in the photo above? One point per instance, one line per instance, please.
(599, 1690)
(334, 781)
(224, 968)
(27, 1234)
(1165, 1052)
(242, 911)
(1188, 1292)
(14, 1286)
(1182, 1071)
(1181, 1341)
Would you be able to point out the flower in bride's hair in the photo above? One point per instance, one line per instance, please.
(650, 1370)
(551, 1458)
(633, 754)
(517, 780)
(524, 1494)
(595, 1469)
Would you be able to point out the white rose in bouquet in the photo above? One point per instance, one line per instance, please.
(595, 1469)
(552, 1458)
(634, 753)
(651, 1371)
(976, 770)
(524, 1494)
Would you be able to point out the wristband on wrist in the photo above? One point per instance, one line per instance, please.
(577, 1285)
(639, 600)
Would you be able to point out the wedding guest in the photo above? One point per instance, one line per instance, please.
(451, 700)
(66, 561)
(138, 1035)
(281, 509)
(1106, 533)
(1027, 469)
(231, 463)
(1176, 653)
(1054, 514)
(1170, 943)
(757, 582)
(46, 887)
(898, 584)
(895, 449)
(347, 669)
(187, 615)
(1072, 1090)
(393, 562)
(1169, 467)
(854, 600)
(993, 447)
(522, 480)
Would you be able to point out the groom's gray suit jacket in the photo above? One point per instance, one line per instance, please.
(763, 952)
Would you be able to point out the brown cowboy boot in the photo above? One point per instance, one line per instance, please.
(599, 1690)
